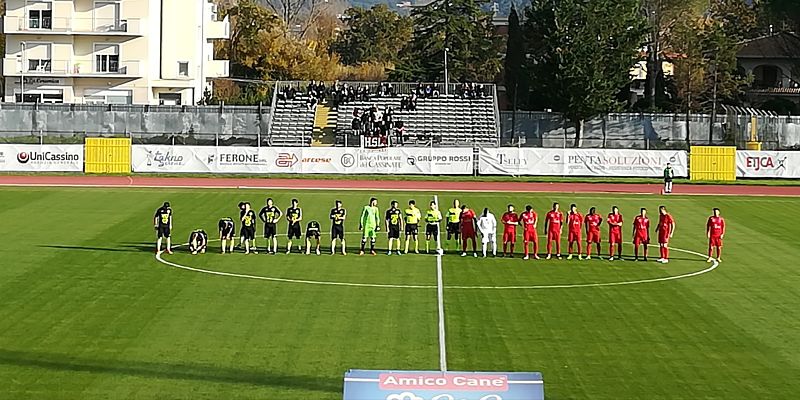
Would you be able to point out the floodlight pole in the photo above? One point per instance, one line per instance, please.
(446, 76)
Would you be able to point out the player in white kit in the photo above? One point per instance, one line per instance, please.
(487, 225)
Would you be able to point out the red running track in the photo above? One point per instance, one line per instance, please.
(270, 183)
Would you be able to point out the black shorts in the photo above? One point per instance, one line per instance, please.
(337, 231)
(294, 231)
(249, 232)
(667, 180)
(163, 231)
(312, 234)
(394, 231)
(431, 230)
(453, 227)
(270, 230)
(227, 234)
(412, 229)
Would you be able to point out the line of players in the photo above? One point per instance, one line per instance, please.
(462, 227)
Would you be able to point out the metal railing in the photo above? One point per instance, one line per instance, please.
(46, 24)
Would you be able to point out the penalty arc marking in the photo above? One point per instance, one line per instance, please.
(712, 267)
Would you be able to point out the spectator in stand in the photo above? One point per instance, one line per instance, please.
(428, 91)
(403, 103)
(412, 103)
(400, 131)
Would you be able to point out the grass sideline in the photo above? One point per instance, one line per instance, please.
(88, 313)
(437, 178)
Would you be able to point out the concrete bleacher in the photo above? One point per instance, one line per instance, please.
(445, 120)
(292, 122)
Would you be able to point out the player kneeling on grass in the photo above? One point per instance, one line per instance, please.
(312, 234)
(198, 241)
(641, 234)
(432, 218)
(226, 232)
(666, 227)
(574, 224)
(369, 223)
(162, 222)
(487, 224)
(593, 222)
(715, 230)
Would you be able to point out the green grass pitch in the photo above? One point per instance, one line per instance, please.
(87, 312)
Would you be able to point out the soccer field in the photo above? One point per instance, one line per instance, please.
(88, 312)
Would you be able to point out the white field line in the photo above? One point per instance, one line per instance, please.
(440, 299)
(712, 267)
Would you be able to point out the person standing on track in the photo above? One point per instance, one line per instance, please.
(249, 229)
(413, 215)
(337, 216)
(468, 222)
(641, 234)
(575, 225)
(270, 215)
(370, 223)
(487, 224)
(227, 230)
(510, 221)
(394, 224)
(669, 174)
(453, 222)
(665, 228)
(593, 222)
(529, 220)
(294, 215)
(432, 218)
(715, 230)
(614, 221)
(162, 222)
(553, 225)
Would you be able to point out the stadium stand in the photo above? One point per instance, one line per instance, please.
(292, 122)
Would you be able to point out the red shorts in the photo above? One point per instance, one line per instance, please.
(510, 236)
(593, 237)
(715, 241)
(663, 237)
(467, 233)
(614, 237)
(554, 235)
(574, 236)
(529, 236)
(639, 239)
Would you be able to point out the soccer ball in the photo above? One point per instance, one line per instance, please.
(439, 251)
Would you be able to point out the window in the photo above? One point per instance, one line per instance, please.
(106, 58)
(183, 68)
(35, 65)
(40, 19)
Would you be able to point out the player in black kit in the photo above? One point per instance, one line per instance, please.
(394, 225)
(249, 229)
(294, 215)
(227, 230)
(270, 215)
(337, 216)
(162, 222)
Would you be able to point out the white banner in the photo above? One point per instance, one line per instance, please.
(581, 162)
(305, 160)
(767, 164)
(48, 157)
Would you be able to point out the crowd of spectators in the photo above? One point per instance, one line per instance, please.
(471, 91)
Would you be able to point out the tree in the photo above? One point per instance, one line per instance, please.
(375, 35)
(785, 13)
(515, 78)
(580, 54)
(462, 27)
(251, 24)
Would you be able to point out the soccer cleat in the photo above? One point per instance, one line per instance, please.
(318, 253)
(372, 252)
(580, 257)
(525, 258)
(288, 251)
(535, 257)
(511, 255)
(255, 252)
(416, 251)
(719, 260)
(484, 256)
(588, 257)
(664, 261)
(246, 252)
(636, 259)
(399, 253)
(169, 251)
(645, 259)
(475, 255)
(558, 256)
(388, 253)
(463, 254)
(611, 258)
(548, 257)
(710, 259)
(660, 260)
(569, 257)
(361, 252)
(344, 253)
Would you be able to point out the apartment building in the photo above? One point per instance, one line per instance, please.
(111, 51)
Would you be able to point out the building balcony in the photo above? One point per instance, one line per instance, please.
(72, 26)
(218, 29)
(216, 69)
(71, 68)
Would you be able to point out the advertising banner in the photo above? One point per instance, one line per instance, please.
(305, 160)
(767, 164)
(581, 162)
(47, 157)
(435, 385)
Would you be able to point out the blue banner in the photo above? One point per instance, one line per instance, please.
(436, 385)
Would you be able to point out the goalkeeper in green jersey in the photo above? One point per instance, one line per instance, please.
(369, 224)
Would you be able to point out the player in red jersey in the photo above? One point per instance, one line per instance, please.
(467, 230)
(593, 222)
(666, 227)
(715, 230)
(553, 224)
(510, 221)
(529, 220)
(641, 234)
(614, 221)
(575, 225)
